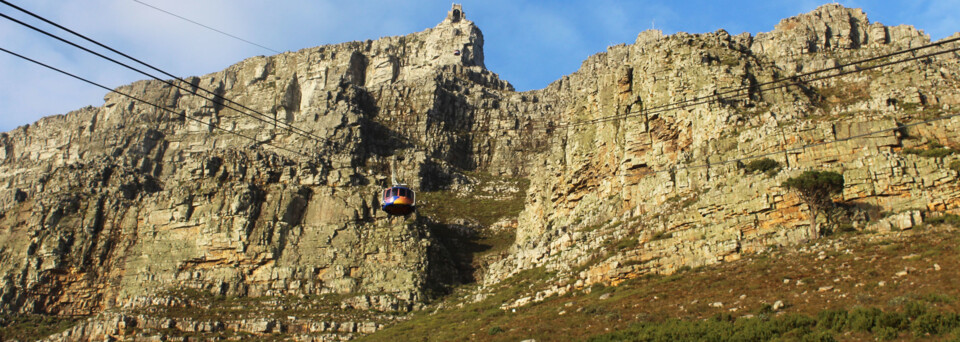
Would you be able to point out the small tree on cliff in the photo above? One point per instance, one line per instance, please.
(815, 188)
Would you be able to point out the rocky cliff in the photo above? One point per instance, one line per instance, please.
(664, 189)
(154, 223)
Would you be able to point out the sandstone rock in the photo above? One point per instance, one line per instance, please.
(663, 172)
(146, 202)
(778, 305)
(109, 207)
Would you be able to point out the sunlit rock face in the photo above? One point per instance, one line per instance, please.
(659, 187)
(110, 206)
(127, 205)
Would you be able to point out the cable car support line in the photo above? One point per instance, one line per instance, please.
(265, 118)
(209, 124)
(205, 26)
(548, 125)
(794, 80)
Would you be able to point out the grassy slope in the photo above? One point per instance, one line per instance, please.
(33, 327)
(839, 272)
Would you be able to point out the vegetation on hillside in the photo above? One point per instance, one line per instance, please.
(34, 327)
(469, 222)
(914, 319)
(933, 150)
(768, 166)
(844, 287)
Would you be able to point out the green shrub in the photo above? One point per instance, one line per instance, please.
(846, 228)
(822, 336)
(495, 330)
(892, 320)
(887, 333)
(914, 309)
(831, 319)
(951, 219)
(765, 165)
(722, 317)
(933, 150)
(934, 323)
(939, 298)
(796, 321)
(796, 327)
(627, 243)
(661, 235)
(861, 319)
(955, 165)
(937, 152)
(31, 327)
(916, 151)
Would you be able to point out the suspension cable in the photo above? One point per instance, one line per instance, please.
(163, 108)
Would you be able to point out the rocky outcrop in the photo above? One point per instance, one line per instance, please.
(656, 190)
(106, 208)
(121, 211)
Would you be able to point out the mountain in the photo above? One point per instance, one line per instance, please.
(245, 202)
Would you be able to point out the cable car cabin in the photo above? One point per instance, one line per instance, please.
(399, 200)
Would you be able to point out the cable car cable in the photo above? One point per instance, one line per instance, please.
(584, 122)
(183, 115)
(839, 67)
(799, 148)
(700, 100)
(706, 101)
(805, 146)
(627, 115)
(266, 118)
(207, 27)
(274, 120)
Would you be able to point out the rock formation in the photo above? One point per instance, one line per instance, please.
(107, 211)
(669, 184)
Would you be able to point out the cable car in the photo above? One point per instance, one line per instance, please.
(399, 200)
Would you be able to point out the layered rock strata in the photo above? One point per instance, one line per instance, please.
(122, 205)
(123, 210)
(655, 190)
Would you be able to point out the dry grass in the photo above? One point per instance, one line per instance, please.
(842, 272)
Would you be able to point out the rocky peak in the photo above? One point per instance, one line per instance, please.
(650, 35)
(456, 40)
(832, 27)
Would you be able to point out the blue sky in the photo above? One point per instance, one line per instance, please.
(529, 43)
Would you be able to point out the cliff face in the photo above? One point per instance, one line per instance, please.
(113, 209)
(664, 189)
(108, 207)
